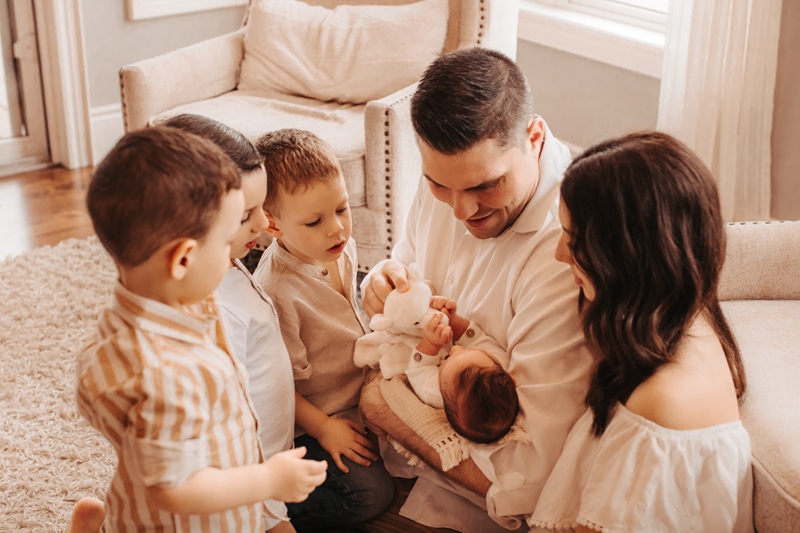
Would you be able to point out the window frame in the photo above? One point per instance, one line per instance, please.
(148, 9)
(601, 30)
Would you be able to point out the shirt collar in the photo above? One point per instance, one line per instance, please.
(192, 324)
(543, 206)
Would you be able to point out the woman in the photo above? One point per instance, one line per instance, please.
(661, 446)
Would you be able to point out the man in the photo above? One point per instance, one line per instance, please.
(484, 227)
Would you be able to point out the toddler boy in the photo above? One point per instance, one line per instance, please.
(157, 378)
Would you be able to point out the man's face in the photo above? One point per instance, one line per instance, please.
(487, 186)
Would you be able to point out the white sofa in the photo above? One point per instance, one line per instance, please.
(760, 289)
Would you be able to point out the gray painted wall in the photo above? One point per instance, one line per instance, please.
(584, 101)
(111, 41)
(786, 119)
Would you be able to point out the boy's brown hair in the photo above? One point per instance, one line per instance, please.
(294, 160)
(156, 185)
(483, 404)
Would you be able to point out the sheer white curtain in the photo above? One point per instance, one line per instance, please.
(717, 90)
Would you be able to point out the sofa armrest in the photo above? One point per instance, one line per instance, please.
(762, 261)
(392, 162)
(197, 72)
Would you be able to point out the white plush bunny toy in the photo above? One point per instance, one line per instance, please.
(398, 330)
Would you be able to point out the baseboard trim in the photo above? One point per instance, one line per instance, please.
(106, 129)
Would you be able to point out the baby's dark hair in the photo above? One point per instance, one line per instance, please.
(483, 404)
(156, 185)
(294, 160)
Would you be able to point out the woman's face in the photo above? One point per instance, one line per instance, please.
(564, 254)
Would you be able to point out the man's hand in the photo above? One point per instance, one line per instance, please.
(293, 478)
(342, 437)
(392, 275)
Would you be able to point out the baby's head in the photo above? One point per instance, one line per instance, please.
(480, 397)
(164, 191)
(251, 168)
(307, 202)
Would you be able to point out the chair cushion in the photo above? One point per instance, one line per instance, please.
(255, 113)
(351, 53)
(768, 336)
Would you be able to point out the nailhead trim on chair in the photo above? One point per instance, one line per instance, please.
(124, 107)
(481, 25)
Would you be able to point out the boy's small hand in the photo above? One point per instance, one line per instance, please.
(293, 478)
(344, 438)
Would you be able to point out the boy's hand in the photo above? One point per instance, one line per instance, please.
(344, 438)
(392, 275)
(437, 332)
(292, 478)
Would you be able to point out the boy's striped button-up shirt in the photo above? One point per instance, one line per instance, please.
(162, 387)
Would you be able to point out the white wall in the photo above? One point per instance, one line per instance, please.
(111, 42)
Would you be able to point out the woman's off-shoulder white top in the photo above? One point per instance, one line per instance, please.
(639, 476)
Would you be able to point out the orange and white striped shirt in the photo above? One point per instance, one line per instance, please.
(162, 387)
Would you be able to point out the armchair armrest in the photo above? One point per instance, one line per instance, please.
(197, 72)
(392, 162)
(762, 261)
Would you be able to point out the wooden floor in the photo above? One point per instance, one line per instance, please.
(44, 207)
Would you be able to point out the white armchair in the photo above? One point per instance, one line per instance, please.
(373, 140)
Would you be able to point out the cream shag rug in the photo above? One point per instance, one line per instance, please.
(49, 456)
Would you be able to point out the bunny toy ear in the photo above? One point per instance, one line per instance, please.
(380, 322)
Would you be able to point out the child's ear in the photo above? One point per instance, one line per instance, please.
(181, 257)
(273, 229)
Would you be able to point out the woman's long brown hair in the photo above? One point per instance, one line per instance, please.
(646, 227)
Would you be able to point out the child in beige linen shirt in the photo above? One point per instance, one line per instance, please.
(157, 378)
(309, 271)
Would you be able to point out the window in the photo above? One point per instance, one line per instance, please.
(625, 33)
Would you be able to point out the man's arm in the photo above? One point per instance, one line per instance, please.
(391, 273)
(385, 423)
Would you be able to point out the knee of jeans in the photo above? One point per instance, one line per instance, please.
(373, 490)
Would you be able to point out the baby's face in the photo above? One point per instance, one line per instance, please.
(459, 359)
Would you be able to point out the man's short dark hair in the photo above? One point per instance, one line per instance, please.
(468, 96)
